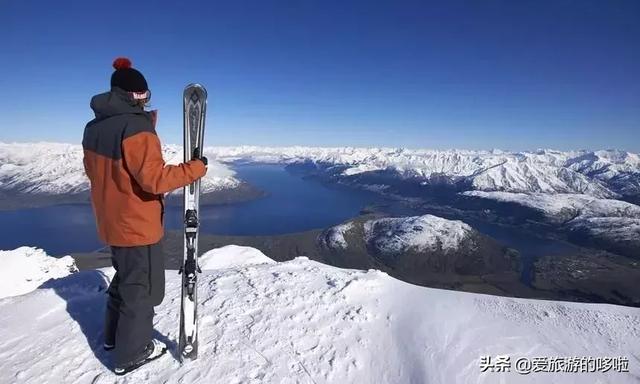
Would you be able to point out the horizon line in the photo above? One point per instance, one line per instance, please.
(451, 149)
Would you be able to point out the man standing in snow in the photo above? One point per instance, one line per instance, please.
(123, 160)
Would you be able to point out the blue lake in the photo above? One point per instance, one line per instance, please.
(292, 204)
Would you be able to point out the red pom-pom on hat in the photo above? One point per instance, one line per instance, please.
(121, 63)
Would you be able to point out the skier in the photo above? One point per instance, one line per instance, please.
(128, 176)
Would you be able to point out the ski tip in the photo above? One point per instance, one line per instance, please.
(195, 86)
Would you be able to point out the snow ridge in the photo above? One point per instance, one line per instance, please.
(232, 256)
(562, 206)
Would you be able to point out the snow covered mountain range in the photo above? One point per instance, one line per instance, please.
(57, 168)
(600, 174)
(304, 322)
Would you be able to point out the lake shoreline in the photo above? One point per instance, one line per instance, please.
(244, 192)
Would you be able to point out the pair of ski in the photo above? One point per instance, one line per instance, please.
(195, 107)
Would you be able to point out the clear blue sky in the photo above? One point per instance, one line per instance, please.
(448, 74)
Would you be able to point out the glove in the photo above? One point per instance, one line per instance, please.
(196, 156)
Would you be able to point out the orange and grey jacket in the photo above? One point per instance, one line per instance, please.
(123, 160)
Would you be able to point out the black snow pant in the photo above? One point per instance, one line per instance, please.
(136, 288)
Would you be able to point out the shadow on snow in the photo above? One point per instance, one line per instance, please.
(85, 295)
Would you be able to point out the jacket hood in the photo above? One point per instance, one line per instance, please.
(114, 102)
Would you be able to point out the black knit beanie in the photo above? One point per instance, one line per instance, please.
(127, 78)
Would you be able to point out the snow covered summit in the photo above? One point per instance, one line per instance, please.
(416, 232)
(400, 234)
(304, 322)
(425, 250)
